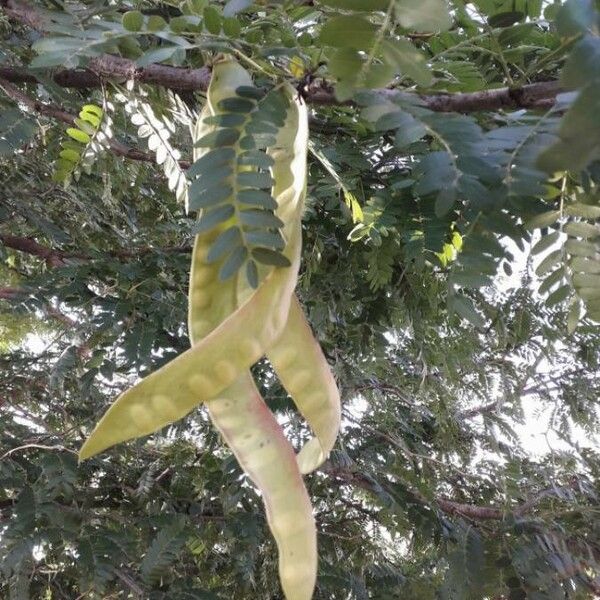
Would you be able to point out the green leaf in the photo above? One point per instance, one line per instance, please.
(156, 23)
(470, 280)
(224, 244)
(233, 263)
(266, 256)
(590, 293)
(575, 17)
(90, 118)
(584, 230)
(227, 120)
(586, 211)
(545, 242)
(579, 134)
(585, 265)
(162, 552)
(559, 295)
(573, 317)
(213, 217)
(345, 64)
(92, 108)
(210, 160)
(260, 218)
(255, 158)
(233, 7)
(210, 178)
(252, 274)
(156, 55)
(505, 19)
(423, 15)
(348, 31)
(549, 262)
(407, 60)
(257, 198)
(583, 64)
(132, 20)
(580, 248)
(542, 220)
(231, 27)
(581, 280)
(464, 307)
(551, 280)
(78, 135)
(205, 197)
(266, 239)
(69, 155)
(15, 130)
(212, 20)
(220, 137)
(249, 91)
(255, 180)
(237, 105)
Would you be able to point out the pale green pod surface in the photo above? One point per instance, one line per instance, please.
(303, 370)
(256, 439)
(207, 368)
(240, 340)
(210, 301)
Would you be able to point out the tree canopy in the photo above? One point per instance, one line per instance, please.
(449, 271)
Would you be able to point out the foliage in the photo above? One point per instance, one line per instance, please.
(449, 271)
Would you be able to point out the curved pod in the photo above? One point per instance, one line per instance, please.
(303, 370)
(253, 434)
(265, 454)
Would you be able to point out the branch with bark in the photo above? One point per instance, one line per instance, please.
(56, 258)
(451, 507)
(55, 112)
(114, 68)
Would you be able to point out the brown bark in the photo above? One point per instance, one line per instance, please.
(114, 68)
(57, 113)
(53, 258)
(450, 507)
(10, 293)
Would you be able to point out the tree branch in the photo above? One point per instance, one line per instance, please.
(56, 258)
(53, 258)
(11, 293)
(470, 511)
(114, 68)
(479, 410)
(533, 95)
(55, 112)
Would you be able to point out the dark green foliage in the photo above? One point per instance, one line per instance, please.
(449, 270)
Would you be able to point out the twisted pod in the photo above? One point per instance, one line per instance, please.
(248, 183)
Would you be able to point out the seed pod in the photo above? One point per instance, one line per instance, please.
(251, 430)
(303, 370)
(256, 439)
(232, 325)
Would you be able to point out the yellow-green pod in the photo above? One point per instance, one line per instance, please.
(241, 339)
(256, 439)
(303, 370)
(252, 432)
(207, 368)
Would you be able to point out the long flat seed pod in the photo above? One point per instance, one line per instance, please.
(256, 439)
(206, 369)
(215, 370)
(303, 370)
(253, 434)
(239, 341)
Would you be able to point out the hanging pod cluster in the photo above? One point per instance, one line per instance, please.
(248, 184)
